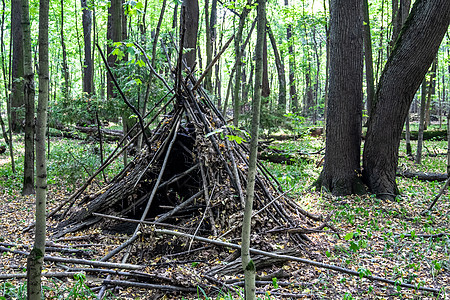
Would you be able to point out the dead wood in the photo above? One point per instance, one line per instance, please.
(78, 261)
(423, 176)
(46, 274)
(150, 286)
(301, 260)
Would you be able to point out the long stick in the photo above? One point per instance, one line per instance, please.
(138, 114)
(302, 260)
(213, 62)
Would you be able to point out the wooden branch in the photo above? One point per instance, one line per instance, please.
(301, 260)
(138, 114)
(433, 236)
(212, 63)
(436, 198)
(149, 286)
(78, 261)
(121, 247)
(48, 274)
(179, 207)
(148, 63)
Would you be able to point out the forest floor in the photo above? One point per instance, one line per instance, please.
(390, 239)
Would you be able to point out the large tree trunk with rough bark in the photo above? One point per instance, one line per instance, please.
(340, 174)
(413, 53)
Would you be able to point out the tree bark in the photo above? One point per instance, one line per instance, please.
(292, 88)
(17, 100)
(65, 67)
(88, 66)
(414, 51)
(341, 171)
(190, 41)
(281, 74)
(114, 34)
(370, 84)
(238, 63)
(423, 102)
(247, 263)
(36, 258)
(28, 176)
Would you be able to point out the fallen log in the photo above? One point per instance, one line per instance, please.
(437, 135)
(423, 176)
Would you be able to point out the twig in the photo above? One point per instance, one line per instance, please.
(141, 120)
(441, 191)
(148, 63)
(213, 62)
(301, 260)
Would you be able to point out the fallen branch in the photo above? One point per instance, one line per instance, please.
(149, 286)
(48, 274)
(78, 261)
(436, 198)
(301, 260)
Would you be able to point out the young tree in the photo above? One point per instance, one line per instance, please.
(28, 168)
(36, 257)
(239, 50)
(281, 73)
(413, 53)
(341, 171)
(17, 101)
(292, 88)
(247, 263)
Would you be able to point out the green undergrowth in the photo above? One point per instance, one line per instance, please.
(70, 162)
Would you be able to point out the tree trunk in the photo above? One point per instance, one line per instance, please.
(114, 34)
(88, 64)
(292, 88)
(28, 169)
(281, 74)
(431, 91)
(265, 76)
(247, 263)
(423, 102)
(36, 257)
(190, 40)
(370, 84)
(238, 63)
(414, 51)
(408, 136)
(65, 67)
(209, 47)
(344, 114)
(17, 100)
(7, 83)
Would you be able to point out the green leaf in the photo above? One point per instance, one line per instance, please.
(275, 282)
(348, 236)
(327, 253)
(140, 63)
